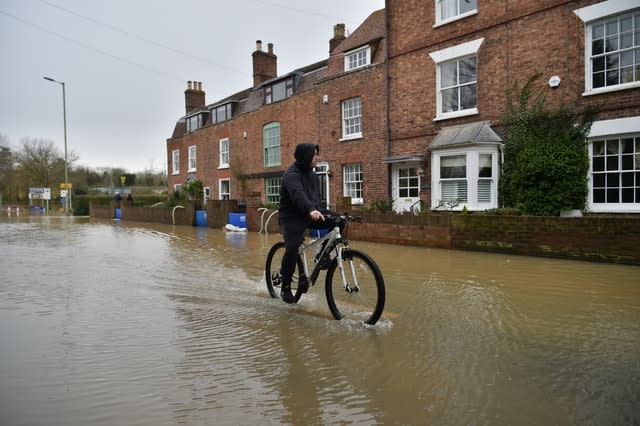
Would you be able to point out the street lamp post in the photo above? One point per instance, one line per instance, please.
(67, 199)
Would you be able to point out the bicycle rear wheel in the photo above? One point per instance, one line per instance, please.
(364, 302)
(272, 272)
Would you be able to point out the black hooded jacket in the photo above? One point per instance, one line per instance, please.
(300, 190)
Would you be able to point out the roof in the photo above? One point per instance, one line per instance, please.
(369, 32)
(477, 133)
(371, 29)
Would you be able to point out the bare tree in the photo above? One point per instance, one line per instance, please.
(7, 170)
(39, 163)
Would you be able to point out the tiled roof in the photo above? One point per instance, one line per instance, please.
(479, 132)
(371, 29)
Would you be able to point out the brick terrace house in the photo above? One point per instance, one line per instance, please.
(408, 106)
(450, 62)
(242, 144)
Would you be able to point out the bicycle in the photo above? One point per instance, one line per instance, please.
(354, 286)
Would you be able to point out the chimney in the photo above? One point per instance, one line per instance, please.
(338, 37)
(265, 64)
(193, 96)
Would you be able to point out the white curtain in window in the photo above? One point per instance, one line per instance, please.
(448, 9)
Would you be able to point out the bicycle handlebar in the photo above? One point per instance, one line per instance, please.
(343, 218)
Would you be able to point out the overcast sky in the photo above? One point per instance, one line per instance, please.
(125, 65)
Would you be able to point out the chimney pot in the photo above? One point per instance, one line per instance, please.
(265, 65)
(194, 96)
(338, 37)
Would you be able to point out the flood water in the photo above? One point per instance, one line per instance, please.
(107, 323)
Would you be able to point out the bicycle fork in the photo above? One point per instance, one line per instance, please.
(345, 283)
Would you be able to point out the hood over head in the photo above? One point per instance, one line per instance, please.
(304, 154)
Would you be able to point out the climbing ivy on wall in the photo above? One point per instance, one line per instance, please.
(546, 162)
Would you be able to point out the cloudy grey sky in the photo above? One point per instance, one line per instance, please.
(126, 63)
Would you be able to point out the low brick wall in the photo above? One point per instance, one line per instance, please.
(426, 231)
(218, 212)
(591, 238)
(179, 216)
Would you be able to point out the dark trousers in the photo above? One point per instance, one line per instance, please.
(293, 237)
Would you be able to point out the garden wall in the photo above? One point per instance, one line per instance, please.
(593, 238)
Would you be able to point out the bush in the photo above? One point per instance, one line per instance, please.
(546, 159)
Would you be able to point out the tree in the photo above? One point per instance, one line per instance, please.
(546, 160)
(39, 163)
(194, 189)
(7, 172)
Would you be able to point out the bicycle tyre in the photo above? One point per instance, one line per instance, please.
(272, 272)
(367, 303)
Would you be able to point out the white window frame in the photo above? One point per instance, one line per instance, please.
(454, 17)
(472, 162)
(224, 195)
(611, 129)
(206, 193)
(271, 147)
(175, 162)
(351, 118)
(447, 55)
(349, 172)
(593, 14)
(224, 153)
(357, 58)
(192, 159)
(272, 190)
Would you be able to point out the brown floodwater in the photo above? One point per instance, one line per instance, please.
(108, 323)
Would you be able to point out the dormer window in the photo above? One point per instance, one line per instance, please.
(357, 58)
(278, 91)
(221, 113)
(194, 122)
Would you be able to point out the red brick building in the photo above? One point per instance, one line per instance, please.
(408, 106)
(242, 144)
(450, 62)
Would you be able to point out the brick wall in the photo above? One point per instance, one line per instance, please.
(590, 238)
(520, 38)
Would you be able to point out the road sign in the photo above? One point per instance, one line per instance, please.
(39, 193)
(66, 185)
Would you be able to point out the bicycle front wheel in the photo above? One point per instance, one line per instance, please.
(362, 296)
(273, 276)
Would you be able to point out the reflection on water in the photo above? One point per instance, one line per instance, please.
(108, 323)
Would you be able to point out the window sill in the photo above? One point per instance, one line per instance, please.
(223, 166)
(351, 137)
(175, 173)
(464, 113)
(347, 70)
(192, 170)
(610, 89)
(455, 18)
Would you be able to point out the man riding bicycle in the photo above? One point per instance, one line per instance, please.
(299, 209)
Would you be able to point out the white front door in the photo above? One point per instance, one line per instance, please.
(406, 187)
(322, 170)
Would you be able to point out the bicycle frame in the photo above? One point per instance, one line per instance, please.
(333, 239)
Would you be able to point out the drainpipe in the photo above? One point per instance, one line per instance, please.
(388, 97)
